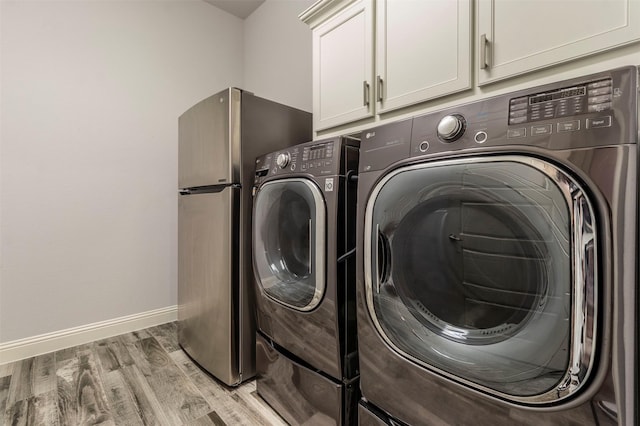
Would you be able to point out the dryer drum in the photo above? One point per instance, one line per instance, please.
(448, 280)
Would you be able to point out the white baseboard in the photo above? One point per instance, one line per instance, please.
(50, 342)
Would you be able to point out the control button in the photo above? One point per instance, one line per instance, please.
(518, 101)
(424, 146)
(541, 130)
(451, 127)
(303, 167)
(283, 159)
(594, 123)
(569, 126)
(600, 99)
(519, 120)
(327, 163)
(518, 107)
(600, 107)
(480, 137)
(520, 113)
(293, 167)
(599, 84)
(600, 91)
(517, 133)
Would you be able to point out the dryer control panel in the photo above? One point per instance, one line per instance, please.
(592, 97)
(595, 110)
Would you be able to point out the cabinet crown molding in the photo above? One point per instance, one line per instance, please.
(322, 10)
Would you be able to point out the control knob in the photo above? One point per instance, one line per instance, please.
(451, 127)
(283, 159)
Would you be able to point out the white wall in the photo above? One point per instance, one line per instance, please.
(91, 93)
(277, 53)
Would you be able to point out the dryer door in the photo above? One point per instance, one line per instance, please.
(483, 270)
(289, 242)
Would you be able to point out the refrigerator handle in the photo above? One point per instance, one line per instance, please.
(208, 189)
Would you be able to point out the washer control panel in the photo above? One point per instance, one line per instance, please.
(319, 151)
(317, 158)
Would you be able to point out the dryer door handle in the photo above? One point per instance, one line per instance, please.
(310, 246)
(383, 258)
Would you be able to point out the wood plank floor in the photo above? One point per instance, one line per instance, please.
(140, 378)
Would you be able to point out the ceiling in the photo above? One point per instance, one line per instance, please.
(239, 8)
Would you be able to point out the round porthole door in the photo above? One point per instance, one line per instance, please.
(288, 242)
(483, 270)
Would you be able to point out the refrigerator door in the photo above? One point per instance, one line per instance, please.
(209, 141)
(208, 281)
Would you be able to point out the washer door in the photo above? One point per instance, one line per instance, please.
(483, 270)
(289, 243)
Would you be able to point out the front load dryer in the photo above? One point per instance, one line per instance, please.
(497, 260)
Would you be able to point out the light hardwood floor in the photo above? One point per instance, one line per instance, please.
(140, 378)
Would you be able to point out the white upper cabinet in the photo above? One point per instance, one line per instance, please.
(423, 50)
(371, 57)
(514, 37)
(343, 67)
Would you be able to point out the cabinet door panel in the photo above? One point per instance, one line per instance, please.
(526, 35)
(423, 50)
(342, 62)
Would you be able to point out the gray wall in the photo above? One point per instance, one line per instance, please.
(91, 93)
(277, 53)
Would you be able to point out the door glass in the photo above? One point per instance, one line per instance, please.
(471, 272)
(289, 214)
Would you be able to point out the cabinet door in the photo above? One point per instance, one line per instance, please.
(515, 37)
(423, 50)
(343, 66)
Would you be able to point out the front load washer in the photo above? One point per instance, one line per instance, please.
(497, 260)
(304, 264)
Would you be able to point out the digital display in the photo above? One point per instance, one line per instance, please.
(318, 152)
(582, 98)
(558, 94)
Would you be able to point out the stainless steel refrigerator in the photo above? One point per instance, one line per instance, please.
(219, 140)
